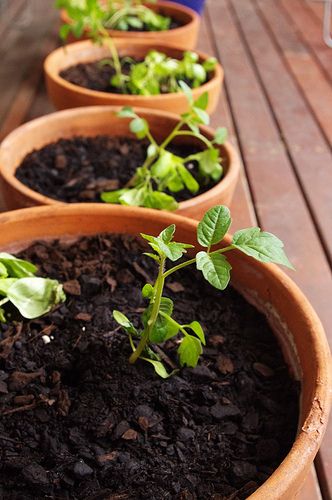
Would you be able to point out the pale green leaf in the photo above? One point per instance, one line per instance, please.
(215, 268)
(189, 351)
(214, 225)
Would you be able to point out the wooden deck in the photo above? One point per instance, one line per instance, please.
(277, 105)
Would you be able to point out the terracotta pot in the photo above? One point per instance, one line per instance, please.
(67, 95)
(185, 36)
(293, 320)
(91, 122)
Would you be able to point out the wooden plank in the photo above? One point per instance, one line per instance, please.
(317, 9)
(308, 150)
(311, 30)
(9, 11)
(306, 71)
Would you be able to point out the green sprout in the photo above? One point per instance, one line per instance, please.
(158, 323)
(31, 295)
(163, 170)
(157, 73)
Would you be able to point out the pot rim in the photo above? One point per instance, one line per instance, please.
(176, 7)
(227, 180)
(60, 54)
(311, 433)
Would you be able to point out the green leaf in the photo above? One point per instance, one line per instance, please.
(189, 351)
(202, 115)
(202, 101)
(3, 271)
(2, 315)
(160, 201)
(140, 127)
(188, 180)
(220, 135)
(64, 31)
(164, 165)
(187, 91)
(210, 64)
(196, 327)
(152, 256)
(159, 368)
(123, 321)
(34, 296)
(134, 197)
(261, 245)
(214, 225)
(167, 234)
(5, 284)
(152, 150)
(215, 268)
(173, 250)
(163, 327)
(17, 268)
(208, 161)
(126, 112)
(148, 290)
(113, 196)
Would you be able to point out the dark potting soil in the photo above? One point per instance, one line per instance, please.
(79, 422)
(97, 76)
(81, 168)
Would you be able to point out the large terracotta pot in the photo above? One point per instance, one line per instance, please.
(92, 121)
(67, 95)
(185, 36)
(292, 318)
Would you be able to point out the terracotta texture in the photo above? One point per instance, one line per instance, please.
(67, 95)
(92, 121)
(266, 286)
(185, 36)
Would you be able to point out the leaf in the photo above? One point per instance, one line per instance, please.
(202, 101)
(167, 234)
(202, 116)
(3, 271)
(210, 64)
(165, 163)
(189, 351)
(214, 225)
(5, 284)
(123, 321)
(196, 327)
(261, 245)
(187, 91)
(133, 197)
(159, 368)
(220, 135)
(215, 268)
(2, 315)
(160, 201)
(140, 127)
(152, 150)
(152, 256)
(208, 161)
(64, 31)
(173, 250)
(34, 296)
(113, 196)
(163, 327)
(189, 181)
(17, 268)
(148, 290)
(126, 112)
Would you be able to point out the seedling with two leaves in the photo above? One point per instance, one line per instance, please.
(158, 323)
(165, 171)
(31, 295)
(157, 73)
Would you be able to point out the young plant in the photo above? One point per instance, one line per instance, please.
(31, 295)
(163, 170)
(158, 323)
(157, 73)
(124, 15)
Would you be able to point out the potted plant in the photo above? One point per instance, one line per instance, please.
(97, 425)
(76, 155)
(111, 71)
(134, 20)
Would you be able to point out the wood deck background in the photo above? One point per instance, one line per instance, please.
(277, 105)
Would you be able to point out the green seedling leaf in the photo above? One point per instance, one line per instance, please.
(188, 180)
(261, 245)
(187, 91)
(148, 290)
(215, 268)
(164, 327)
(2, 316)
(189, 351)
(133, 197)
(35, 296)
(209, 161)
(214, 225)
(159, 368)
(160, 201)
(5, 284)
(167, 234)
(113, 196)
(3, 271)
(152, 256)
(196, 327)
(17, 268)
(220, 135)
(201, 115)
(210, 64)
(140, 127)
(123, 321)
(126, 112)
(202, 101)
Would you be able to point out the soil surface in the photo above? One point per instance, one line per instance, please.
(81, 168)
(97, 76)
(79, 422)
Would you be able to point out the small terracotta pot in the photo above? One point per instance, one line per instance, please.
(94, 121)
(185, 36)
(293, 320)
(67, 95)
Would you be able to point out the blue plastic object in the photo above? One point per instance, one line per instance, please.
(196, 5)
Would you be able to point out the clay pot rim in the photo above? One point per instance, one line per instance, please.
(311, 433)
(193, 21)
(226, 181)
(218, 73)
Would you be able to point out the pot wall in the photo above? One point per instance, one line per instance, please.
(293, 319)
(91, 122)
(66, 95)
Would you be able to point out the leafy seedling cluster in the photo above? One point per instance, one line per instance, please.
(156, 74)
(31, 295)
(163, 170)
(158, 323)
